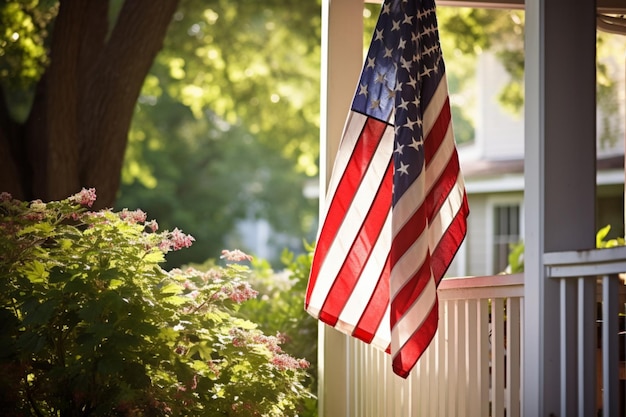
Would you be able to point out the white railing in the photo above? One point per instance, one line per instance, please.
(592, 304)
(472, 367)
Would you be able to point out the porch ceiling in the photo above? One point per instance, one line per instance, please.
(604, 6)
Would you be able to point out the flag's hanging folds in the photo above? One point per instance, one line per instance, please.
(396, 204)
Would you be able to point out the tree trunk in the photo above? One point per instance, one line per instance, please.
(77, 130)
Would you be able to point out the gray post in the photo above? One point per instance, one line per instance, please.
(560, 147)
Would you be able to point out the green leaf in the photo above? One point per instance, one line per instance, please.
(42, 228)
(42, 314)
(115, 283)
(154, 257)
(172, 288)
(76, 285)
(31, 343)
(601, 235)
(176, 300)
(57, 275)
(36, 271)
(168, 334)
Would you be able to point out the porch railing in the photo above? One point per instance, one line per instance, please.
(472, 367)
(592, 308)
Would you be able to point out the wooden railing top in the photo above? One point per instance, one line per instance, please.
(584, 263)
(478, 287)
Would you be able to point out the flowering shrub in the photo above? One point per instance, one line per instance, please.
(91, 325)
(278, 308)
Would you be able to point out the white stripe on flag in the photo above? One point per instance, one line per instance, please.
(408, 264)
(365, 287)
(449, 209)
(349, 229)
(437, 102)
(414, 317)
(352, 131)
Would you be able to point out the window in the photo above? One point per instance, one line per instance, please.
(506, 231)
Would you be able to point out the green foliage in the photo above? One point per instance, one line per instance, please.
(91, 325)
(516, 258)
(279, 309)
(227, 124)
(601, 238)
(23, 33)
(24, 28)
(246, 63)
(209, 178)
(516, 255)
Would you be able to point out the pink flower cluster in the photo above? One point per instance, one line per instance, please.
(176, 240)
(284, 362)
(271, 342)
(86, 197)
(240, 292)
(37, 209)
(133, 216)
(280, 360)
(235, 255)
(152, 225)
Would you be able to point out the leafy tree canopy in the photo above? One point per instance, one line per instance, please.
(227, 125)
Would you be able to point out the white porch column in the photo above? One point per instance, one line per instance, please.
(560, 159)
(342, 59)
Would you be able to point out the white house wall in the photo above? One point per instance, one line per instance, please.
(499, 134)
(477, 238)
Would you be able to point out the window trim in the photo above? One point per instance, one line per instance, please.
(491, 203)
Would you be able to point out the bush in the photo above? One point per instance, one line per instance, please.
(279, 308)
(91, 325)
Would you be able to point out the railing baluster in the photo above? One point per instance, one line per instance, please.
(453, 354)
(483, 356)
(472, 375)
(461, 355)
(569, 347)
(497, 357)
(513, 358)
(443, 362)
(521, 344)
(610, 358)
(434, 372)
(587, 345)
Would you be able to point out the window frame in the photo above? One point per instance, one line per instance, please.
(491, 204)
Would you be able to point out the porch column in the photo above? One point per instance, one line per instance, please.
(342, 59)
(560, 147)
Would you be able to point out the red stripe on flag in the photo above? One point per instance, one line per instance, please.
(441, 189)
(365, 148)
(359, 253)
(373, 314)
(406, 296)
(437, 132)
(450, 242)
(408, 355)
(406, 236)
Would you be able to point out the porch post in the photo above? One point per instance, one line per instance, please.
(560, 157)
(342, 59)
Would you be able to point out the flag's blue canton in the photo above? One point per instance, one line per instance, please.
(401, 73)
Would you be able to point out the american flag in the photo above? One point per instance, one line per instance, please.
(396, 204)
